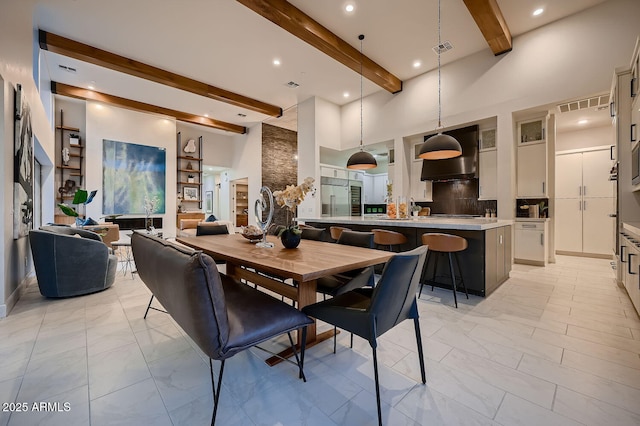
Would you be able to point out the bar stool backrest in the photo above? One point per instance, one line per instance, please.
(384, 237)
(445, 243)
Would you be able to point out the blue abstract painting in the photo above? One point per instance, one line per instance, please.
(131, 172)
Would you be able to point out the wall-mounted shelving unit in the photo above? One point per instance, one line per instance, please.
(189, 174)
(69, 138)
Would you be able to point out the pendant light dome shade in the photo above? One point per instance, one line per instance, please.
(361, 160)
(440, 147)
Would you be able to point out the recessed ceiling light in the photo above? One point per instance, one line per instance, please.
(345, 94)
(349, 8)
(276, 62)
(206, 115)
(583, 121)
(538, 12)
(417, 64)
(90, 87)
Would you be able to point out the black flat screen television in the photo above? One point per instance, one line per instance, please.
(463, 167)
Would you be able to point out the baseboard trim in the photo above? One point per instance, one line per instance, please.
(582, 254)
(529, 262)
(11, 301)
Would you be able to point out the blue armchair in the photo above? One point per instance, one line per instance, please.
(71, 262)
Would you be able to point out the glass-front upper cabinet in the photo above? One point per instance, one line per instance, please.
(532, 131)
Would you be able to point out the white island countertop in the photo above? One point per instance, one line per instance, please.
(471, 224)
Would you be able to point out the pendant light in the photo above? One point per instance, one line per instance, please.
(440, 146)
(361, 160)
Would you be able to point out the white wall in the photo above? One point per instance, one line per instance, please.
(247, 163)
(595, 136)
(122, 125)
(16, 65)
(217, 148)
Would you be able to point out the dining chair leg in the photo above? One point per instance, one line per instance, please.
(420, 353)
(216, 393)
(295, 354)
(148, 307)
(453, 280)
(303, 345)
(375, 373)
(335, 334)
(460, 272)
(351, 341)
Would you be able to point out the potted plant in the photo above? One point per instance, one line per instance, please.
(191, 178)
(80, 198)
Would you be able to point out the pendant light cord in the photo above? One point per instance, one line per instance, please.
(439, 82)
(361, 37)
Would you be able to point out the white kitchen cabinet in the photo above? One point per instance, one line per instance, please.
(585, 199)
(420, 190)
(333, 172)
(374, 188)
(531, 173)
(568, 225)
(488, 175)
(531, 242)
(532, 131)
(596, 225)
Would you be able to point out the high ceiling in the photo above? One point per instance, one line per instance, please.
(227, 45)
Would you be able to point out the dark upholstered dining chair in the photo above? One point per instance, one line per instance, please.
(312, 233)
(222, 316)
(371, 312)
(332, 285)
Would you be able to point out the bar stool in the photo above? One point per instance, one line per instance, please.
(450, 244)
(382, 237)
(335, 232)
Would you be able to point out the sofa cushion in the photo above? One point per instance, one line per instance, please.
(211, 230)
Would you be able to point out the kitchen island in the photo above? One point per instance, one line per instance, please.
(485, 264)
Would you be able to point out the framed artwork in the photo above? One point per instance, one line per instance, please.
(190, 193)
(208, 202)
(131, 172)
(22, 167)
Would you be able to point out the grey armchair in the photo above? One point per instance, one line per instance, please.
(70, 266)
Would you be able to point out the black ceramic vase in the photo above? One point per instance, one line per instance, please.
(289, 238)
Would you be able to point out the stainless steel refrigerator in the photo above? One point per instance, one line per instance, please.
(335, 197)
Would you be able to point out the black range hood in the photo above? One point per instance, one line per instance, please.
(463, 167)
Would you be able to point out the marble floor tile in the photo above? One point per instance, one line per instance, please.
(516, 411)
(363, 410)
(161, 341)
(138, 404)
(624, 343)
(499, 353)
(591, 411)
(524, 385)
(181, 378)
(597, 350)
(515, 342)
(596, 387)
(429, 407)
(106, 337)
(115, 369)
(581, 321)
(602, 368)
(199, 411)
(52, 375)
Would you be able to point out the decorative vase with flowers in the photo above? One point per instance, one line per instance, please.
(150, 204)
(290, 198)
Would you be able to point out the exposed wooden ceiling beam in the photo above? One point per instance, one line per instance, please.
(301, 25)
(93, 55)
(85, 94)
(494, 28)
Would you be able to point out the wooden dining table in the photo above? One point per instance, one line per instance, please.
(304, 265)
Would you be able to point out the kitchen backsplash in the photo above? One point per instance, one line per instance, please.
(458, 197)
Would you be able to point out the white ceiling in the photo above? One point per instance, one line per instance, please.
(223, 43)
